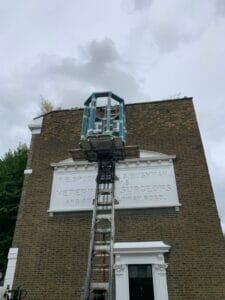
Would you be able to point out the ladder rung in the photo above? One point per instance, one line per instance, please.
(105, 254)
(100, 269)
(102, 248)
(104, 208)
(101, 266)
(102, 242)
(105, 230)
(100, 285)
(104, 216)
(104, 203)
(105, 191)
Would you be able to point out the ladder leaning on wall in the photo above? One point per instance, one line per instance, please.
(100, 257)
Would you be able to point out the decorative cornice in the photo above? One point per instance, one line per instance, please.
(152, 155)
(145, 157)
(141, 247)
(36, 125)
(161, 267)
(119, 269)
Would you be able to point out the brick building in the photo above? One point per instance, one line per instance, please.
(167, 225)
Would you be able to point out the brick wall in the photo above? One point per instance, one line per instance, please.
(53, 250)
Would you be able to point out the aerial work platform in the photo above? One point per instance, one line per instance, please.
(102, 140)
(103, 131)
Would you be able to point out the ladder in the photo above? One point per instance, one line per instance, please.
(100, 275)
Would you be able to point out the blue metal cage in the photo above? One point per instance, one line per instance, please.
(103, 125)
(108, 120)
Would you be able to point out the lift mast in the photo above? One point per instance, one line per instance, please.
(102, 141)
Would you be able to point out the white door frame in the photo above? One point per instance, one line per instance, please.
(134, 253)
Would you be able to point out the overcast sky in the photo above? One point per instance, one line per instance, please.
(140, 49)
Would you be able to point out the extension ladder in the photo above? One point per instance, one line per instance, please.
(99, 276)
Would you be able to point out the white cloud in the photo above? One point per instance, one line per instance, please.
(220, 8)
(132, 6)
(178, 48)
(155, 49)
(66, 81)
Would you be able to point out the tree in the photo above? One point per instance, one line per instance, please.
(46, 105)
(12, 166)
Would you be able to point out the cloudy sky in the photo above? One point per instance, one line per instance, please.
(140, 49)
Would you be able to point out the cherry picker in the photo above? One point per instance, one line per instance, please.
(102, 140)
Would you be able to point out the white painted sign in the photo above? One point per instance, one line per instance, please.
(73, 190)
(147, 182)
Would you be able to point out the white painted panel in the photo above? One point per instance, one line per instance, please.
(141, 183)
(146, 185)
(11, 267)
(73, 190)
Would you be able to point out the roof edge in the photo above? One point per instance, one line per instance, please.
(126, 104)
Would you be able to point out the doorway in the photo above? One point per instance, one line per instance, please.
(140, 282)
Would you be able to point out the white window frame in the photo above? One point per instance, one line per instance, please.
(143, 253)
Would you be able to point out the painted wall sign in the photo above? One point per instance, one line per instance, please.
(147, 182)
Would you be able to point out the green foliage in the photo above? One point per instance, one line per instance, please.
(46, 106)
(12, 165)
